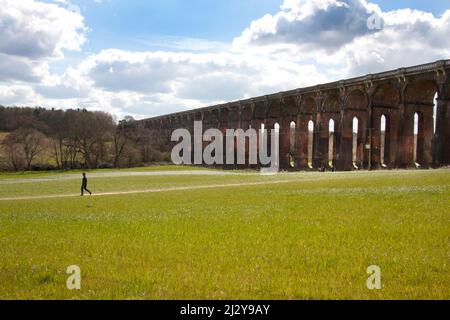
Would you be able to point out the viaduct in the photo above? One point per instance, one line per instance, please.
(393, 119)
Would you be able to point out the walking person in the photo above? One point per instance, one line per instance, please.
(84, 185)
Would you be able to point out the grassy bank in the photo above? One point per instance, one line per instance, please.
(311, 237)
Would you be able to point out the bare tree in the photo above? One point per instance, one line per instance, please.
(121, 139)
(94, 130)
(32, 142)
(119, 143)
(13, 151)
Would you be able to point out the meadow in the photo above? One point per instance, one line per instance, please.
(208, 234)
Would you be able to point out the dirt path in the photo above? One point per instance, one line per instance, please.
(73, 176)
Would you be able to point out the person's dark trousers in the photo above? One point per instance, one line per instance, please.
(84, 188)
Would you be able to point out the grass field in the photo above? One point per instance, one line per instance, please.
(246, 236)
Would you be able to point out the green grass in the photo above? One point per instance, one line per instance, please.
(312, 237)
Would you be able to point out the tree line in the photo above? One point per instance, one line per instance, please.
(43, 139)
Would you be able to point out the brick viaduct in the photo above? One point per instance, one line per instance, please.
(401, 97)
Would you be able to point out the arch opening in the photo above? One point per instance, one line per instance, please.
(292, 144)
(310, 143)
(416, 139)
(435, 102)
(355, 142)
(331, 143)
(263, 142)
(277, 127)
(383, 143)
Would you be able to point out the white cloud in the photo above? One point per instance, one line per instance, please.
(36, 30)
(151, 83)
(324, 25)
(70, 85)
(22, 69)
(307, 42)
(166, 72)
(334, 34)
(33, 33)
(10, 94)
(409, 37)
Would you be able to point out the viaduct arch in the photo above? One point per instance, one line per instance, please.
(396, 96)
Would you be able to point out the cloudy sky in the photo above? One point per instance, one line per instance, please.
(146, 58)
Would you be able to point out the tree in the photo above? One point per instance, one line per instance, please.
(94, 130)
(121, 139)
(76, 138)
(13, 151)
(32, 142)
(22, 146)
(119, 143)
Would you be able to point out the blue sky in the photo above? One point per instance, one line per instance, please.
(119, 23)
(126, 20)
(146, 58)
